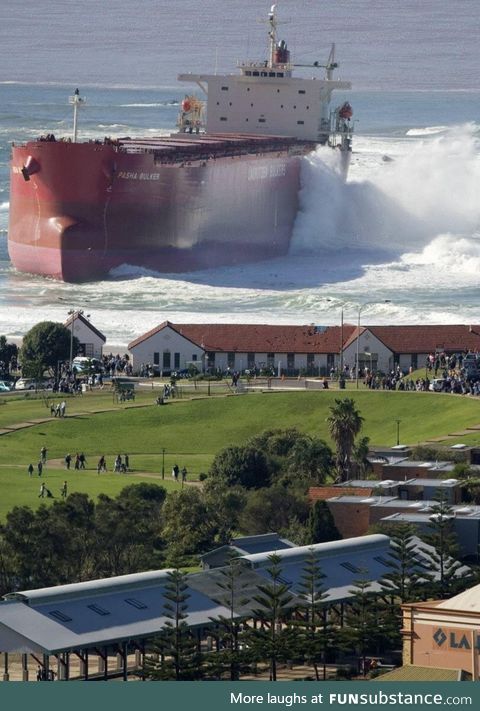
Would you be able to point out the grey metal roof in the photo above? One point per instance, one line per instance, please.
(107, 611)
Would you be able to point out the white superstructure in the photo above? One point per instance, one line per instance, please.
(265, 98)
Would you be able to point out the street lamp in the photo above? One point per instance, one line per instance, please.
(360, 309)
(342, 304)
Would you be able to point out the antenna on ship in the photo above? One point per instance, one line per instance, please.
(77, 101)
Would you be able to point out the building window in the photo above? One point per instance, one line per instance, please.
(301, 122)
(263, 74)
(255, 74)
(414, 362)
(176, 360)
(261, 120)
(270, 360)
(88, 349)
(248, 73)
(224, 88)
(290, 361)
(250, 360)
(231, 360)
(301, 91)
(210, 360)
(279, 74)
(156, 359)
(223, 118)
(167, 361)
(194, 356)
(310, 362)
(271, 74)
(330, 360)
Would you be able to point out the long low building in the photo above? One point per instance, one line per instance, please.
(115, 616)
(308, 349)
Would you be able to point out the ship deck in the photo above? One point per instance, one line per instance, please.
(181, 147)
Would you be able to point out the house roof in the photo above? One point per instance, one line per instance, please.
(77, 316)
(411, 672)
(256, 338)
(467, 601)
(424, 339)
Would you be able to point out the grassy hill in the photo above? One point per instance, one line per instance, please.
(192, 431)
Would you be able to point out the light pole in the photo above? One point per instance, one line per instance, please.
(163, 463)
(342, 304)
(360, 309)
(398, 431)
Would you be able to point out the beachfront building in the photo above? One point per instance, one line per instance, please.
(290, 350)
(383, 348)
(294, 350)
(91, 340)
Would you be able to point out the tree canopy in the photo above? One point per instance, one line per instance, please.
(44, 345)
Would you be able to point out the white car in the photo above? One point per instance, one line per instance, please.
(25, 384)
(82, 364)
(436, 385)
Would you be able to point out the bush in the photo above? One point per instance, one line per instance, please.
(202, 476)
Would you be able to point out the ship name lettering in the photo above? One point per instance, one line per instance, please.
(126, 175)
(149, 176)
(260, 172)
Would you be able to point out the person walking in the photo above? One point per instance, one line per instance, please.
(43, 454)
(77, 461)
(127, 462)
(68, 459)
(40, 467)
(102, 465)
(63, 407)
(82, 460)
(43, 490)
(64, 490)
(30, 470)
(175, 471)
(184, 475)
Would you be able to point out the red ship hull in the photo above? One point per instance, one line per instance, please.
(78, 210)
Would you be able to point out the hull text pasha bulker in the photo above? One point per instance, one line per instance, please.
(222, 190)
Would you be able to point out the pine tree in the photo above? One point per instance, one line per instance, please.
(443, 566)
(175, 645)
(364, 625)
(313, 632)
(272, 640)
(403, 580)
(232, 657)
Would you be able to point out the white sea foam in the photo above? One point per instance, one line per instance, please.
(427, 131)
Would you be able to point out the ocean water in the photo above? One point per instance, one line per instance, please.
(403, 229)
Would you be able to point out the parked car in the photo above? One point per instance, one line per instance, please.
(83, 364)
(32, 384)
(437, 385)
(4, 387)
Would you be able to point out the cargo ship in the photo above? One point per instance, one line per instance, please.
(221, 190)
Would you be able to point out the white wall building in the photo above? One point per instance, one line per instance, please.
(90, 338)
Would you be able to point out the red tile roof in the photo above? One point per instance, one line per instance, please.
(424, 339)
(256, 338)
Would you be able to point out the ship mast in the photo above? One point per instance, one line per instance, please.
(272, 19)
(76, 100)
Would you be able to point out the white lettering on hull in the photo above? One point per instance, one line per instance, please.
(261, 172)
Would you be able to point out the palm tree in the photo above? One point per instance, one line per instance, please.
(344, 424)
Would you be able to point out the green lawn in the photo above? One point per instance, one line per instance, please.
(192, 431)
